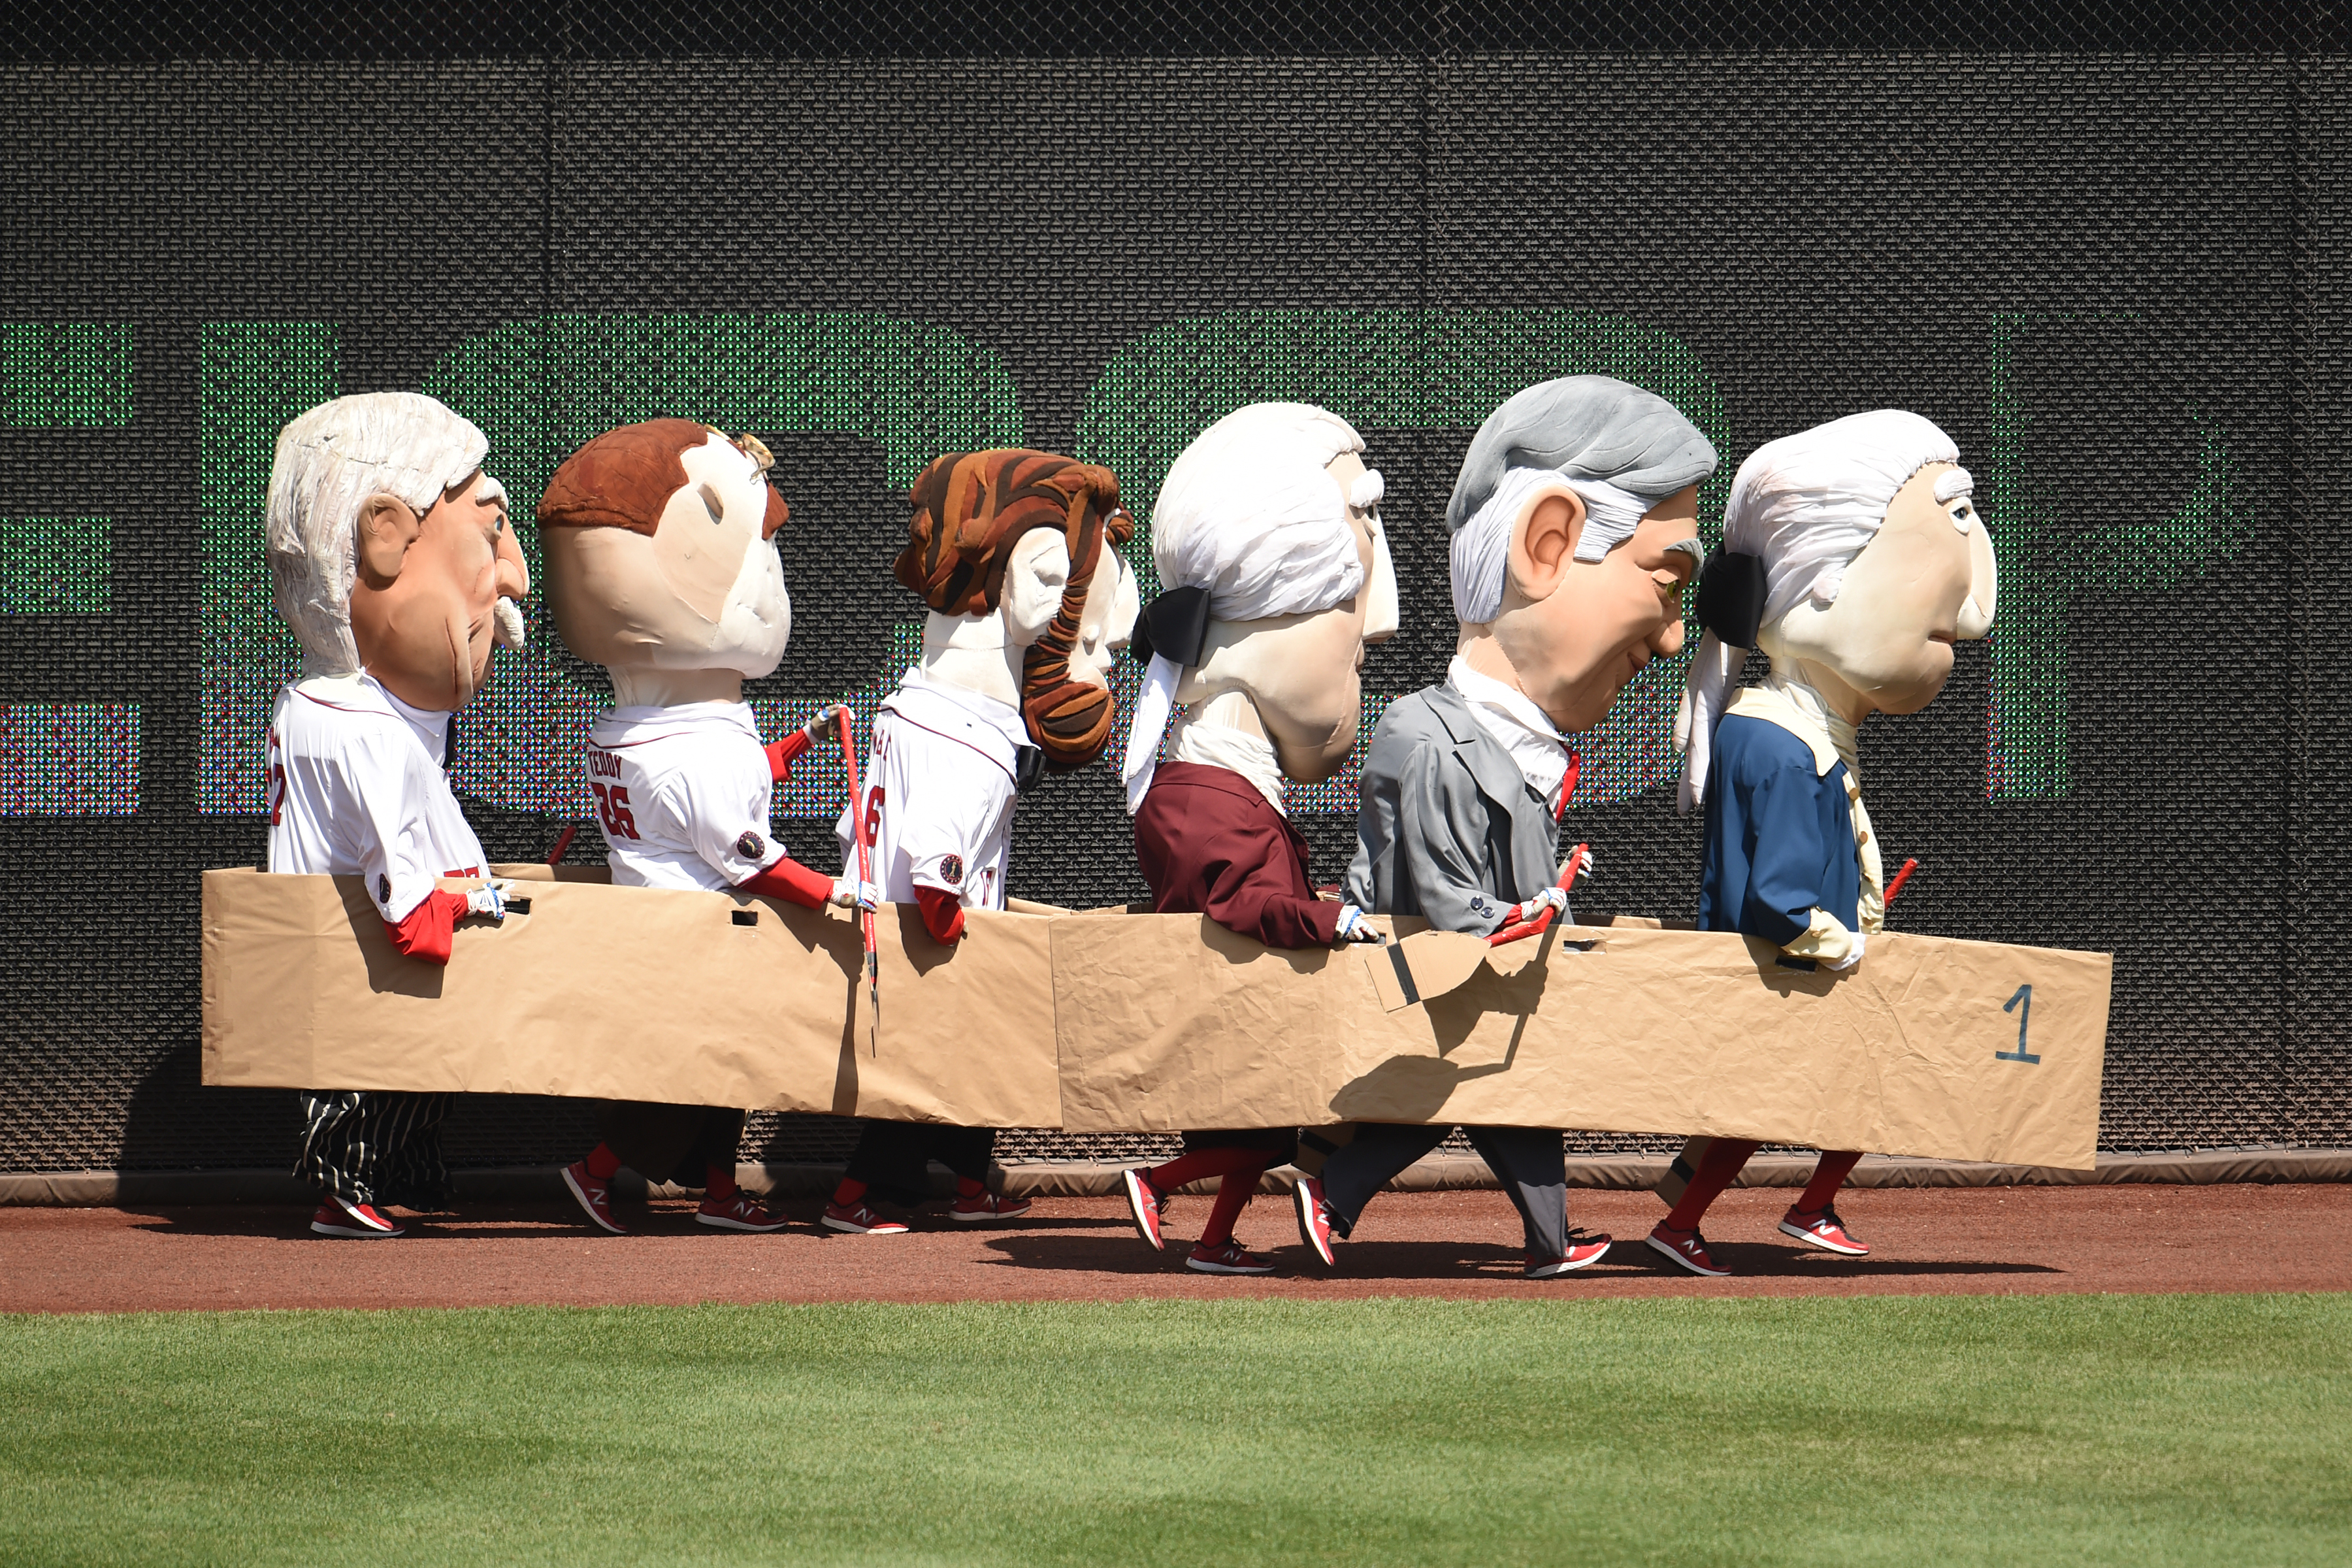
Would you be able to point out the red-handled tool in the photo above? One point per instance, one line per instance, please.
(1542, 922)
(1901, 877)
(864, 875)
(563, 843)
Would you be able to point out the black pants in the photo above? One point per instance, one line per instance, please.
(893, 1158)
(375, 1146)
(1528, 1161)
(673, 1143)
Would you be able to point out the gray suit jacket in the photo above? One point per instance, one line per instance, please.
(1449, 828)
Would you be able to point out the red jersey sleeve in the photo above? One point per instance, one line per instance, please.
(942, 912)
(782, 752)
(430, 930)
(791, 880)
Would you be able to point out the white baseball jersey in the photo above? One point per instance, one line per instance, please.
(682, 795)
(356, 789)
(939, 793)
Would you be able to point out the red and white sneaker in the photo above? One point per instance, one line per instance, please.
(1227, 1259)
(1582, 1249)
(360, 1221)
(1144, 1205)
(1314, 1218)
(859, 1220)
(1822, 1229)
(1687, 1248)
(983, 1208)
(739, 1212)
(596, 1197)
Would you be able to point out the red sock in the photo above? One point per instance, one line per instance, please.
(1234, 1195)
(718, 1183)
(602, 1162)
(849, 1192)
(1724, 1156)
(1828, 1177)
(967, 1188)
(1201, 1164)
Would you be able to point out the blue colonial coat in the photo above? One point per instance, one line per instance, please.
(1779, 835)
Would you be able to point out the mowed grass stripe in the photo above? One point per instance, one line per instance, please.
(2141, 1429)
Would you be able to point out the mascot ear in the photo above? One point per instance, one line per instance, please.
(1036, 574)
(384, 527)
(1543, 541)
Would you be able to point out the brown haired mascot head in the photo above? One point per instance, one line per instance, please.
(1012, 552)
(661, 560)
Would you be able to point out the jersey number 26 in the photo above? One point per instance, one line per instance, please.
(613, 809)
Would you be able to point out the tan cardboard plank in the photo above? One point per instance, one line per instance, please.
(1169, 1022)
(631, 993)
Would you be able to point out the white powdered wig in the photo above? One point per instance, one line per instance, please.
(328, 462)
(1620, 450)
(1807, 505)
(1248, 514)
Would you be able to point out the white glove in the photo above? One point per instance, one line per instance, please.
(1580, 870)
(1356, 926)
(489, 899)
(849, 892)
(1826, 940)
(1552, 899)
(824, 725)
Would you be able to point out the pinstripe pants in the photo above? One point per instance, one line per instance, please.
(374, 1146)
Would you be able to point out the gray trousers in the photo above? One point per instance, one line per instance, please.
(1527, 1161)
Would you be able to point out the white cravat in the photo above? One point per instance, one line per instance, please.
(1517, 725)
(1814, 706)
(1222, 746)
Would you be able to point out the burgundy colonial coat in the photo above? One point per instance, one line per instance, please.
(1211, 845)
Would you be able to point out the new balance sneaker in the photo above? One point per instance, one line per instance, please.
(1687, 1248)
(738, 1212)
(1314, 1218)
(1822, 1229)
(859, 1220)
(1227, 1257)
(1144, 1205)
(596, 1197)
(983, 1208)
(359, 1221)
(1582, 1249)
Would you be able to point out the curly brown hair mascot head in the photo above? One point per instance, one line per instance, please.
(981, 516)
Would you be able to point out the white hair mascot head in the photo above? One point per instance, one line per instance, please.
(1266, 536)
(390, 549)
(1853, 556)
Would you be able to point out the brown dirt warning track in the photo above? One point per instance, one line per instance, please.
(1458, 1245)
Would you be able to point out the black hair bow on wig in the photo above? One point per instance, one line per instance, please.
(1174, 626)
(1731, 597)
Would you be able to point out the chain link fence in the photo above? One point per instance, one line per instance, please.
(2104, 245)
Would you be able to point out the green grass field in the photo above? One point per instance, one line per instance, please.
(1945, 1431)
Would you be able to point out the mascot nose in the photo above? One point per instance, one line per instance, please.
(1984, 587)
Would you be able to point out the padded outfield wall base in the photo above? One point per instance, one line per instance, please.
(1081, 1178)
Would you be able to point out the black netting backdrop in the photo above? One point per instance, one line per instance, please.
(2105, 246)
